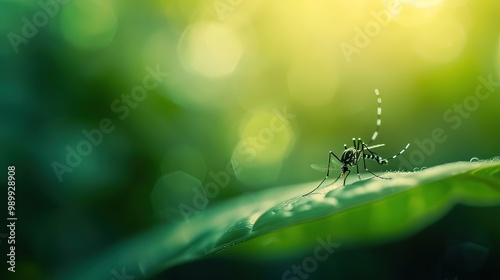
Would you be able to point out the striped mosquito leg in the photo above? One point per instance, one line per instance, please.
(379, 114)
(402, 151)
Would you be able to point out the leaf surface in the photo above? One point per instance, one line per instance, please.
(280, 220)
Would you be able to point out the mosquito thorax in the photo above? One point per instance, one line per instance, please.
(348, 155)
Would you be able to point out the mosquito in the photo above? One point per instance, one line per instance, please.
(336, 166)
(360, 150)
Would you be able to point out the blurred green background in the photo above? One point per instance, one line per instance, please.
(249, 92)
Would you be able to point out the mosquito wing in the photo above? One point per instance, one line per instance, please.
(324, 167)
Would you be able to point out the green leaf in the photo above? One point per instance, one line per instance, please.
(281, 221)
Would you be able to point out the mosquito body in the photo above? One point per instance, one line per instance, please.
(359, 151)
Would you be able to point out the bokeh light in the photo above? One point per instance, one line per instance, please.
(211, 49)
(265, 141)
(89, 24)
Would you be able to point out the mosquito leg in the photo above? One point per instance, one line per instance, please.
(322, 183)
(379, 114)
(330, 154)
(345, 178)
(357, 171)
(402, 151)
(374, 157)
(385, 161)
(366, 169)
(359, 155)
(330, 157)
